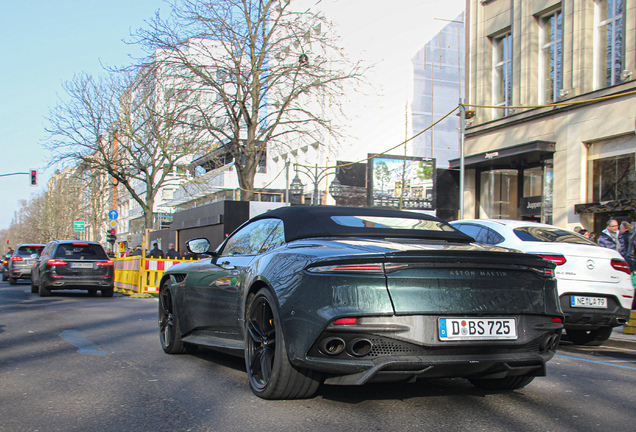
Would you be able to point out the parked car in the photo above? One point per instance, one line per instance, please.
(20, 264)
(594, 283)
(5, 265)
(71, 264)
(340, 295)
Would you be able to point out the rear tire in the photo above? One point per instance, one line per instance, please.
(34, 288)
(589, 337)
(12, 281)
(108, 292)
(271, 375)
(508, 383)
(4, 277)
(44, 290)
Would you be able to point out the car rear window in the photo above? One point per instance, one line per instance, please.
(550, 235)
(29, 250)
(81, 251)
(392, 223)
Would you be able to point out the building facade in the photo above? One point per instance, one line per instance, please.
(551, 96)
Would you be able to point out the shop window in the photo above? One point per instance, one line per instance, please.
(498, 196)
(614, 178)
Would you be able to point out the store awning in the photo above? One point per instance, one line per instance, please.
(606, 206)
(508, 157)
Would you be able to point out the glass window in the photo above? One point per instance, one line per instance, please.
(277, 238)
(533, 182)
(80, 251)
(609, 46)
(614, 178)
(551, 56)
(471, 230)
(502, 80)
(498, 196)
(251, 238)
(550, 235)
(392, 223)
(26, 251)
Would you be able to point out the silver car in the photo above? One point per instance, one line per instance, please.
(21, 263)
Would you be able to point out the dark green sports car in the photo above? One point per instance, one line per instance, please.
(340, 295)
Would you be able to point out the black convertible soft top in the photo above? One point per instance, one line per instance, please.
(321, 221)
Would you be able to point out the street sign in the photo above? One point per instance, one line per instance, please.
(113, 223)
(78, 226)
(113, 215)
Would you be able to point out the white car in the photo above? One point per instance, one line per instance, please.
(594, 283)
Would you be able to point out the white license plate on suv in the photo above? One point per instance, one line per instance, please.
(82, 265)
(589, 302)
(452, 329)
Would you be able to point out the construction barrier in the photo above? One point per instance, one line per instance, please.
(140, 277)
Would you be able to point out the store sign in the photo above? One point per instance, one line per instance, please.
(531, 206)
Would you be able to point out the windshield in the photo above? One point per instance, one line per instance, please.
(551, 235)
(392, 223)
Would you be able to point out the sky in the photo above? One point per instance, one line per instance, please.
(43, 44)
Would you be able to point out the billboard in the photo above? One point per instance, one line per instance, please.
(401, 182)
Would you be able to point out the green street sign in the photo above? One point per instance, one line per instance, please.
(78, 225)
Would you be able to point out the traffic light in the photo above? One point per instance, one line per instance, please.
(34, 178)
(111, 237)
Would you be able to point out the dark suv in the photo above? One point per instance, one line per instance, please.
(72, 264)
(21, 263)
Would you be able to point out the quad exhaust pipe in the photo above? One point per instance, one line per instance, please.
(333, 346)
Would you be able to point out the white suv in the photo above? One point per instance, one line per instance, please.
(594, 283)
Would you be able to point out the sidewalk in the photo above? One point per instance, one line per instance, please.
(619, 339)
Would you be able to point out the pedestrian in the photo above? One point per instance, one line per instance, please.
(155, 252)
(625, 234)
(609, 236)
(585, 233)
(137, 251)
(577, 229)
(172, 253)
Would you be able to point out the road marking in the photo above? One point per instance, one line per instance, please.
(84, 345)
(597, 362)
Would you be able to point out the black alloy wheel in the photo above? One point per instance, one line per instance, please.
(169, 334)
(271, 375)
(12, 281)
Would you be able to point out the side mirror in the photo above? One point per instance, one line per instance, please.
(198, 245)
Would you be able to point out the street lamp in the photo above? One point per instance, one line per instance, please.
(336, 189)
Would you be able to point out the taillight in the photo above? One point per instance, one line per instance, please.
(549, 273)
(16, 258)
(349, 268)
(105, 264)
(346, 321)
(54, 262)
(620, 265)
(557, 320)
(557, 259)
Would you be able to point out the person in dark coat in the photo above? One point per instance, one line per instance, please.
(155, 252)
(172, 253)
(609, 237)
(137, 251)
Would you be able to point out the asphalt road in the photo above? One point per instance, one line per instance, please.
(72, 362)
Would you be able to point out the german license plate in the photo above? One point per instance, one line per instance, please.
(589, 302)
(82, 265)
(460, 329)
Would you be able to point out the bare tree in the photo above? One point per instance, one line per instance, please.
(271, 75)
(124, 124)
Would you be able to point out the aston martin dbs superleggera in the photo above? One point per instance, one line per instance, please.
(347, 296)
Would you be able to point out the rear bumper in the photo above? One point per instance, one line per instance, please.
(577, 318)
(20, 273)
(407, 348)
(76, 282)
